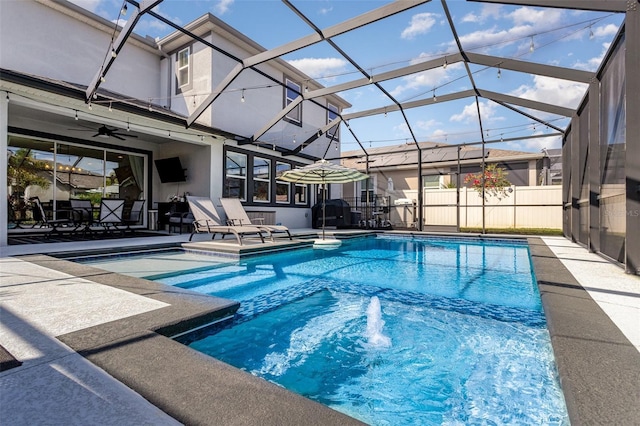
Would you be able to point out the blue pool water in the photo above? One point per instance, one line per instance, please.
(459, 333)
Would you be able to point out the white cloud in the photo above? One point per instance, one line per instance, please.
(538, 144)
(420, 24)
(471, 17)
(526, 21)
(222, 6)
(326, 10)
(488, 11)
(426, 125)
(318, 68)
(153, 25)
(492, 36)
(605, 31)
(536, 17)
(593, 63)
(438, 135)
(469, 113)
(426, 79)
(552, 91)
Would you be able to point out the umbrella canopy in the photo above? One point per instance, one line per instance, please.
(321, 173)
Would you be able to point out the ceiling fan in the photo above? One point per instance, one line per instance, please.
(105, 132)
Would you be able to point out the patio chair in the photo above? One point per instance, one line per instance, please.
(82, 213)
(111, 214)
(135, 215)
(180, 220)
(207, 221)
(237, 215)
(54, 224)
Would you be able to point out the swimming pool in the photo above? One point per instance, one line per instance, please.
(458, 336)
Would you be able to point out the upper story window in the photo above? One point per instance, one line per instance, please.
(332, 114)
(292, 92)
(183, 69)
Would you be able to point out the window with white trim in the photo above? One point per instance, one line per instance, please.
(301, 193)
(183, 62)
(292, 91)
(366, 187)
(332, 114)
(282, 188)
(261, 180)
(235, 182)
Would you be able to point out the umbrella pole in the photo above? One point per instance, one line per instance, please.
(324, 207)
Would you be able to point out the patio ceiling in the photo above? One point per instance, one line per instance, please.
(472, 79)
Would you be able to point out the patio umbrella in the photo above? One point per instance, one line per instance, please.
(321, 173)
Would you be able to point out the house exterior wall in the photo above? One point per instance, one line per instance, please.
(70, 47)
(264, 98)
(194, 158)
(186, 101)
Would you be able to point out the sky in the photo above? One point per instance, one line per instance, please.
(564, 38)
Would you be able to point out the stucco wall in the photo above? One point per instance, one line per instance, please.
(264, 99)
(194, 158)
(63, 48)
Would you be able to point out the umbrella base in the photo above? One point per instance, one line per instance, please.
(326, 243)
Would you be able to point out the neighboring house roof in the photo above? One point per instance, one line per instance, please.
(406, 155)
(80, 180)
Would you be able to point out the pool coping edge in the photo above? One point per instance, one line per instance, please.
(584, 339)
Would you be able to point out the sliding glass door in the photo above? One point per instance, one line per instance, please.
(56, 172)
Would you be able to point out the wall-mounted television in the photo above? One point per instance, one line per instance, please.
(170, 170)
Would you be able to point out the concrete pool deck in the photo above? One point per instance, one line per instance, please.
(93, 345)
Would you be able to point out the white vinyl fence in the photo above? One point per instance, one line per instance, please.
(524, 207)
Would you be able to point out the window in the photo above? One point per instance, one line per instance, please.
(367, 189)
(301, 193)
(431, 181)
(332, 114)
(254, 177)
(57, 171)
(282, 188)
(183, 69)
(261, 180)
(235, 182)
(291, 93)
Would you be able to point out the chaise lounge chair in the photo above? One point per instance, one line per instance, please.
(237, 215)
(207, 221)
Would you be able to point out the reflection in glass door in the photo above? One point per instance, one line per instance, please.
(57, 172)
(29, 174)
